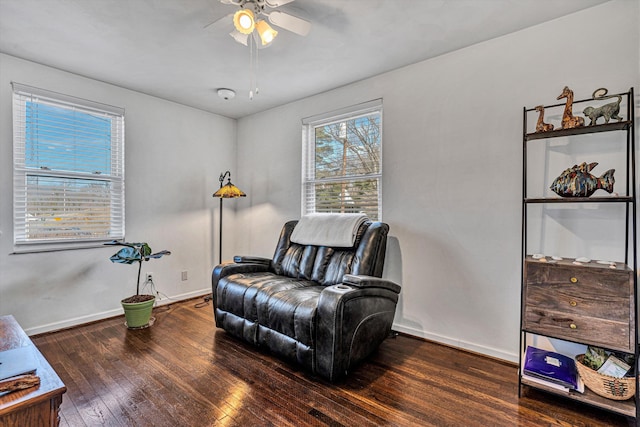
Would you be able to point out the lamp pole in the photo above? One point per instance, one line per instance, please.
(222, 176)
(227, 191)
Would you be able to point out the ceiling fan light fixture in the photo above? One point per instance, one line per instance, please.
(240, 37)
(244, 21)
(267, 34)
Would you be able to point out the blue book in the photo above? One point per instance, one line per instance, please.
(17, 361)
(549, 366)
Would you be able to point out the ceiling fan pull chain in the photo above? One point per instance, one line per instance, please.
(251, 68)
(256, 71)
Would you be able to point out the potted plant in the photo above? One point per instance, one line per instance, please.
(137, 308)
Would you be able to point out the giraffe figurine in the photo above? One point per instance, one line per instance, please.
(568, 119)
(541, 126)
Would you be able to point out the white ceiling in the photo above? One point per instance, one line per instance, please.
(162, 48)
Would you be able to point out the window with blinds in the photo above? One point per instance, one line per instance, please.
(68, 168)
(342, 165)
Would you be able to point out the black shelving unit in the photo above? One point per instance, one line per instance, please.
(630, 407)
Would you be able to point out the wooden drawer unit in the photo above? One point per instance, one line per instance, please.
(589, 303)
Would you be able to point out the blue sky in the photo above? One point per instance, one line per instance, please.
(67, 140)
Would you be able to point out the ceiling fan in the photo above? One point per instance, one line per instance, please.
(248, 20)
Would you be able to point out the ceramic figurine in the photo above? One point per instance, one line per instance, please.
(541, 126)
(578, 182)
(568, 119)
(608, 111)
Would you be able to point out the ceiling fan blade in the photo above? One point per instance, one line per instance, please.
(290, 22)
(230, 16)
(276, 3)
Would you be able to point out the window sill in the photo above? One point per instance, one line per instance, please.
(34, 248)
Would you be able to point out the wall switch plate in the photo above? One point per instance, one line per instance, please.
(184, 276)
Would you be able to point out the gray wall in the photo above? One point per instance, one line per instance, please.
(173, 157)
(452, 155)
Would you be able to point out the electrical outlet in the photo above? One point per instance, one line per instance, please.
(149, 277)
(184, 275)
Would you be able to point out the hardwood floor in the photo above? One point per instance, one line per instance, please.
(185, 372)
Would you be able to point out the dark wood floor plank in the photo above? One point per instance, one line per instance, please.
(92, 411)
(69, 414)
(184, 372)
(88, 356)
(136, 398)
(161, 381)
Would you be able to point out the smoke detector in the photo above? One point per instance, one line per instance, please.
(226, 94)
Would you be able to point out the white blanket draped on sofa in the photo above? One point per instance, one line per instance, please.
(328, 229)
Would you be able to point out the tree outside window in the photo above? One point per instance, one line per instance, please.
(344, 165)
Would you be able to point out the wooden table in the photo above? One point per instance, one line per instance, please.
(35, 406)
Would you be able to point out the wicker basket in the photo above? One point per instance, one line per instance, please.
(604, 385)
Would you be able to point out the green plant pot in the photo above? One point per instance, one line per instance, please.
(138, 314)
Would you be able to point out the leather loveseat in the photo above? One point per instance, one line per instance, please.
(325, 308)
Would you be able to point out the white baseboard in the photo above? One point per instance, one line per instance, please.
(453, 342)
(68, 323)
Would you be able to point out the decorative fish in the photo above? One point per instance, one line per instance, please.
(578, 182)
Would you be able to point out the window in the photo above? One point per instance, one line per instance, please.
(342, 165)
(68, 168)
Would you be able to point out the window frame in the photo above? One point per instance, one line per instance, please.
(112, 180)
(308, 152)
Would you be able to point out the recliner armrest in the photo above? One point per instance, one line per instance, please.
(370, 282)
(352, 319)
(229, 268)
(241, 259)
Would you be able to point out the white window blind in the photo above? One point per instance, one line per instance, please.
(342, 164)
(68, 168)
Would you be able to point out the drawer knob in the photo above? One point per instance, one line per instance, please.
(573, 326)
(573, 303)
(574, 280)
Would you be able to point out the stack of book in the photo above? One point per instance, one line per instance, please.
(552, 369)
(17, 368)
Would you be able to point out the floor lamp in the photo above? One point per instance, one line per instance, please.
(227, 191)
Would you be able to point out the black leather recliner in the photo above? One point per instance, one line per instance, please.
(322, 307)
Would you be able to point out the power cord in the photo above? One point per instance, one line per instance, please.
(153, 291)
(205, 301)
(159, 295)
